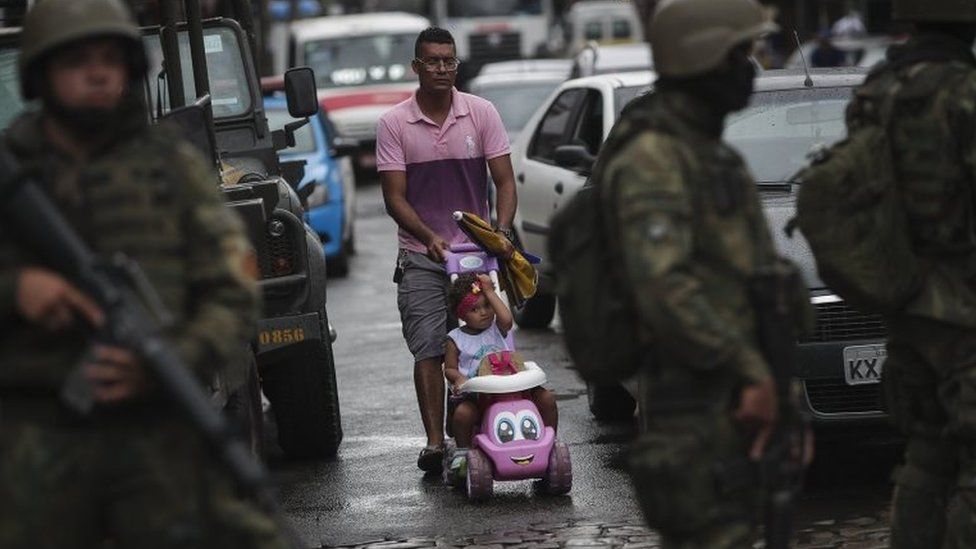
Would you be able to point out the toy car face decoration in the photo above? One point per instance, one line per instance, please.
(515, 438)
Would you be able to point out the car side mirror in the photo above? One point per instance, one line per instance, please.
(575, 157)
(300, 92)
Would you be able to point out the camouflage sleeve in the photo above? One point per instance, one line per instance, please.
(656, 224)
(222, 296)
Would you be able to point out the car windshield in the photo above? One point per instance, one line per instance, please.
(229, 89)
(11, 103)
(304, 136)
(361, 60)
(622, 96)
(516, 102)
(495, 8)
(779, 129)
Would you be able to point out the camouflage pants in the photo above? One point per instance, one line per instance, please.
(930, 385)
(694, 482)
(145, 484)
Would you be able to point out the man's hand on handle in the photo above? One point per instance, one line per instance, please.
(437, 248)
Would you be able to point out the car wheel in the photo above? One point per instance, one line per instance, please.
(338, 266)
(610, 402)
(305, 400)
(537, 312)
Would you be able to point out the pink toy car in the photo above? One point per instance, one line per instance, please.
(512, 442)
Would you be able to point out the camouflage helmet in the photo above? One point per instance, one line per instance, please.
(51, 24)
(690, 37)
(960, 11)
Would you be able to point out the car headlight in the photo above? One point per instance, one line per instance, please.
(319, 196)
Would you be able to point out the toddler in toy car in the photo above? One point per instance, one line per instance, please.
(480, 347)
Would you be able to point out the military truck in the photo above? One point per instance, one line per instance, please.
(293, 347)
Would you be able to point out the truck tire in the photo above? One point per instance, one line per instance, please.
(610, 402)
(305, 400)
(537, 312)
(244, 410)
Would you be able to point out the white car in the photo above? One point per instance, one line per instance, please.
(579, 112)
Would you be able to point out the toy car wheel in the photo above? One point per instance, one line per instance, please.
(559, 476)
(449, 479)
(480, 481)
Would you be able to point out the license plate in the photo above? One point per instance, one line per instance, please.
(863, 363)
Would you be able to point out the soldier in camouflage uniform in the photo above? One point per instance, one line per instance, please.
(692, 233)
(930, 374)
(130, 472)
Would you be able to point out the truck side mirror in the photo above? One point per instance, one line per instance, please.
(300, 92)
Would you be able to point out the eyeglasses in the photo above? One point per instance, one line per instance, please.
(432, 65)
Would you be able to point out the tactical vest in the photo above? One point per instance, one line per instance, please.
(144, 221)
(731, 241)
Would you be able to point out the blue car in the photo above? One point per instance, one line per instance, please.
(331, 203)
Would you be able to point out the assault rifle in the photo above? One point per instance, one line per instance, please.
(135, 318)
(773, 292)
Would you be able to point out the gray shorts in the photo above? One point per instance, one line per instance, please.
(422, 300)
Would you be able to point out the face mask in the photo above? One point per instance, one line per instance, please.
(95, 122)
(731, 89)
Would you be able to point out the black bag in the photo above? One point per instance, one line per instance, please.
(599, 322)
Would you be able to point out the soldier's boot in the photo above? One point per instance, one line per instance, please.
(922, 488)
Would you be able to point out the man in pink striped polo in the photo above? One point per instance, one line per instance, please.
(431, 152)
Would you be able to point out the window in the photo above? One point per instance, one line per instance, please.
(621, 29)
(589, 127)
(229, 89)
(493, 8)
(304, 136)
(11, 103)
(623, 96)
(515, 103)
(593, 30)
(552, 129)
(361, 60)
(779, 129)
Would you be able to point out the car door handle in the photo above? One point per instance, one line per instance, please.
(559, 188)
(521, 178)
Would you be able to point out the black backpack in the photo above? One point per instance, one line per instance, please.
(596, 309)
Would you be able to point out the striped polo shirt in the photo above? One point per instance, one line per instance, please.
(445, 165)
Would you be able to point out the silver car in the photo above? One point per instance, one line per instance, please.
(840, 364)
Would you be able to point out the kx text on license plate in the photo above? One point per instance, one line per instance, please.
(864, 363)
